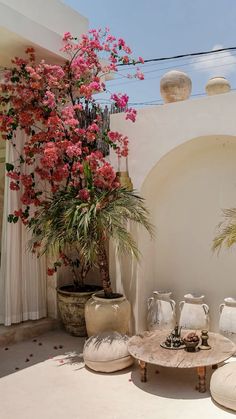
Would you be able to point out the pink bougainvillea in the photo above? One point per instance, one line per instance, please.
(48, 102)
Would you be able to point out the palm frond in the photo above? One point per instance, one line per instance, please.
(226, 235)
(65, 221)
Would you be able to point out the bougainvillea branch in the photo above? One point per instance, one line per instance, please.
(49, 102)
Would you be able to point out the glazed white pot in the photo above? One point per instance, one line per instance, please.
(227, 324)
(161, 311)
(103, 315)
(217, 85)
(194, 314)
(175, 86)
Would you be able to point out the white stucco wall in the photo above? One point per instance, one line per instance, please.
(182, 159)
(37, 23)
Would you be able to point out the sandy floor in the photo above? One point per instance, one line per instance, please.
(45, 378)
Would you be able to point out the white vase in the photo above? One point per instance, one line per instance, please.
(161, 311)
(194, 314)
(107, 314)
(227, 324)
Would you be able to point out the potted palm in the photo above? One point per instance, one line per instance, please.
(71, 198)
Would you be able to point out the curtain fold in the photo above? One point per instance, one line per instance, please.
(22, 275)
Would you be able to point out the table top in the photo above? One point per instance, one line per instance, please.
(146, 347)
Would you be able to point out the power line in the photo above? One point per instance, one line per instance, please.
(156, 77)
(179, 65)
(191, 54)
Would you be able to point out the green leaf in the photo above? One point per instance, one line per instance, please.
(10, 218)
(9, 167)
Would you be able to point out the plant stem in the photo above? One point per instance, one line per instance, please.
(104, 270)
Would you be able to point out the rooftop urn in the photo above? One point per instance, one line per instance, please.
(175, 86)
(217, 85)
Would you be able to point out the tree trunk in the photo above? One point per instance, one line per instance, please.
(104, 271)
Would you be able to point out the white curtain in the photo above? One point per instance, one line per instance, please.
(22, 275)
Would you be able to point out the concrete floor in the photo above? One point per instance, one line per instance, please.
(45, 378)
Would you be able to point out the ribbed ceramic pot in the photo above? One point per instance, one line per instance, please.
(71, 306)
(107, 314)
(175, 86)
(161, 311)
(194, 313)
(227, 323)
(217, 85)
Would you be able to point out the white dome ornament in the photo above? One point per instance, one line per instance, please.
(175, 86)
(217, 85)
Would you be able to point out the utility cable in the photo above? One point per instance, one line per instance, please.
(191, 54)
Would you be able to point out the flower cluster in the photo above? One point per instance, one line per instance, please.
(49, 103)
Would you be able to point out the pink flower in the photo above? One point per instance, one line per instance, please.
(51, 271)
(14, 186)
(74, 150)
(84, 194)
(131, 114)
(50, 155)
(139, 75)
(121, 42)
(120, 99)
(67, 36)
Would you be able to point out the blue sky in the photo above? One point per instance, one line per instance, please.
(156, 28)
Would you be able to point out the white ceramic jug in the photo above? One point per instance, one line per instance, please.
(161, 311)
(194, 314)
(227, 324)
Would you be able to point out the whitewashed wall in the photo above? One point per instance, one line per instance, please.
(183, 160)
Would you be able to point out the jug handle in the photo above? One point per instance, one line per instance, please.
(221, 307)
(181, 305)
(205, 308)
(173, 304)
(149, 301)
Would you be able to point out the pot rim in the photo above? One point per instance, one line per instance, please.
(193, 297)
(230, 301)
(64, 292)
(96, 297)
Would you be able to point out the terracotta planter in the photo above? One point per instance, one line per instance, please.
(71, 307)
(103, 315)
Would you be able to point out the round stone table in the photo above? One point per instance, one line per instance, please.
(146, 349)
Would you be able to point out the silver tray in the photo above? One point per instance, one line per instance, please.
(163, 345)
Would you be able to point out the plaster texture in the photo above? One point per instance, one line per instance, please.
(182, 160)
(54, 383)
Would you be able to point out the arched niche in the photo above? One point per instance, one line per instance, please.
(185, 192)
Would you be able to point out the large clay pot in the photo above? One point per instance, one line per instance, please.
(217, 85)
(175, 86)
(227, 324)
(71, 306)
(107, 314)
(194, 314)
(161, 311)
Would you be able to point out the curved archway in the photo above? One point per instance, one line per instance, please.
(185, 192)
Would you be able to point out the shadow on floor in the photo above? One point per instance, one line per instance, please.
(57, 345)
(173, 383)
